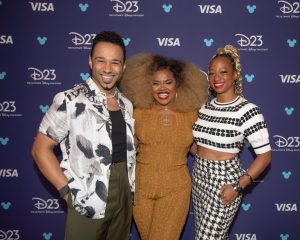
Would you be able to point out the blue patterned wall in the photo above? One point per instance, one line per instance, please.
(44, 48)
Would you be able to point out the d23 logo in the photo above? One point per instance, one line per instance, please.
(8, 106)
(9, 235)
(79, 39)
(128, 6)
(45, 74)
(249, 41)
(49, 204)
(290, 142)
(286, 7)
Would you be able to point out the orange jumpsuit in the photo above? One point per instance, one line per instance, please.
(163, 182)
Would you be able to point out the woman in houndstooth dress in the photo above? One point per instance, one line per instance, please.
(219, 132)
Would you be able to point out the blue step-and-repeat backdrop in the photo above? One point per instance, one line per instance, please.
(44, 49)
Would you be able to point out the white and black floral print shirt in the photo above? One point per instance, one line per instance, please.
(79, 121)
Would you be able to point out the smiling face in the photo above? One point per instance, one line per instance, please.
(107, 65)
(221, 78)
(163, 87)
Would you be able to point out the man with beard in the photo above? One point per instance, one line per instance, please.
(92, 123)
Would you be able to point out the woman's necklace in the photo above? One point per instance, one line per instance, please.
(165, 113)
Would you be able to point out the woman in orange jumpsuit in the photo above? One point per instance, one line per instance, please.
(166, 94)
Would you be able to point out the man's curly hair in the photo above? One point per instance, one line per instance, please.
(191, 81)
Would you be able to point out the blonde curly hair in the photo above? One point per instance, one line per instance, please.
(232, 54)
(191, 81)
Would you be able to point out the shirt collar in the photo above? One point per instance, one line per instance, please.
(93, 86)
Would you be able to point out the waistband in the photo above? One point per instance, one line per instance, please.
(218, 167)
(118, 164)
(220, 162)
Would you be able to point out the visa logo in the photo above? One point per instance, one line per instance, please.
(290, 78)
(42, 6)
(286, 207)
(210, 9)
(6, 39)
(9, 173)
(168, 42)
(245, 236)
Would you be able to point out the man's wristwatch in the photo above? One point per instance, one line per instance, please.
(236, 186)
(64, 191)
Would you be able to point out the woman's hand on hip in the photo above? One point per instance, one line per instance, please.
(227, 194)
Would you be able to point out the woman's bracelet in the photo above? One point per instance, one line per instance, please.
(250, 177)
